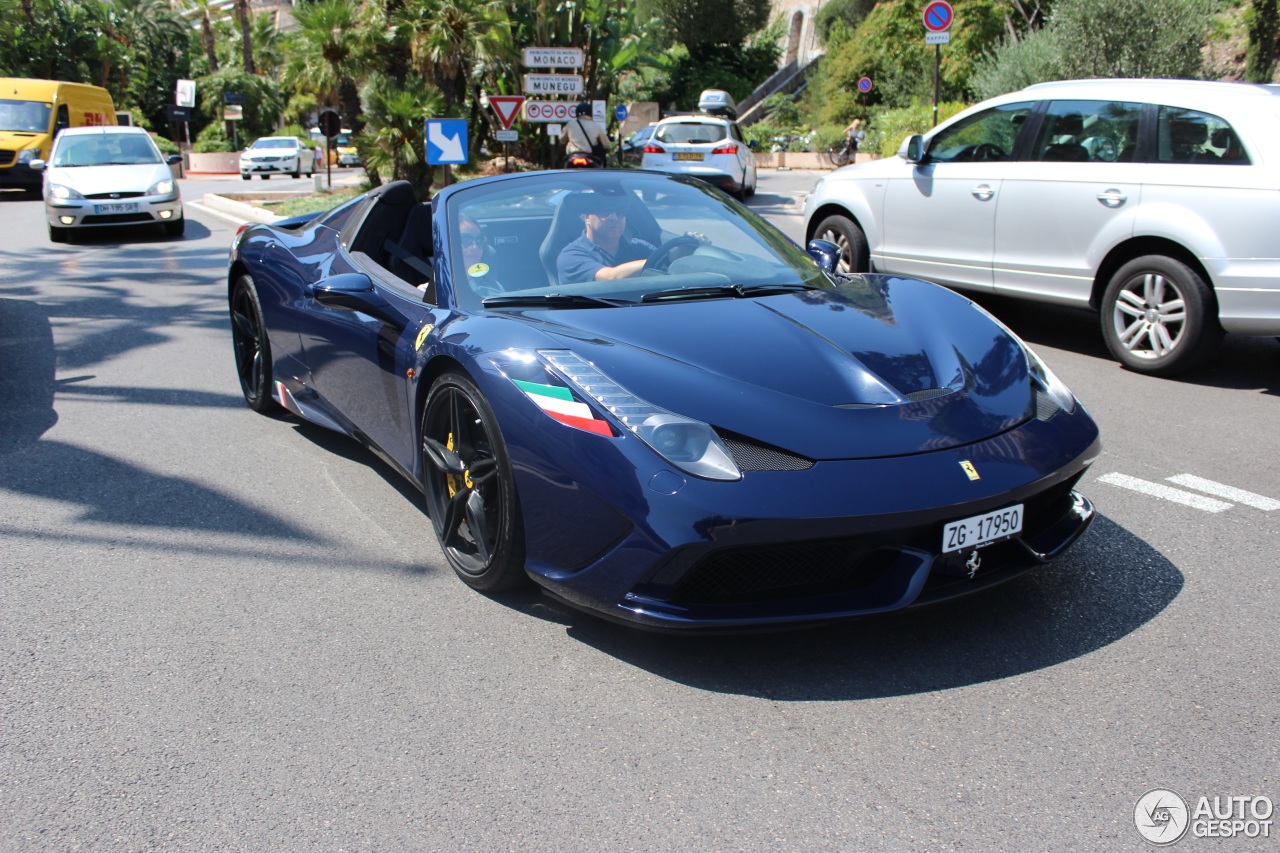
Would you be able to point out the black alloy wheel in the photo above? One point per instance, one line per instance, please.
(252, 349)
(470, 491)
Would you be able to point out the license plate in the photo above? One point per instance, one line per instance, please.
(982, 530)
(689, 155)
(119, 207)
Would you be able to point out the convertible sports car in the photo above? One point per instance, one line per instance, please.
(735, 437)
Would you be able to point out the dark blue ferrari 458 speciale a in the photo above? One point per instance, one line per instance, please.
(637, 393)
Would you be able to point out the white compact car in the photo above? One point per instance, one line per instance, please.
(1151, 201)
(704, 146)
(277, 155)
(108, 176)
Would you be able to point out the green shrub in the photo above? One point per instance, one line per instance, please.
(887, 129)
(212, 140)
(166, 146)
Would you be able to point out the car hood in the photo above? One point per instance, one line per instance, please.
(16, 140)
(881, 367)
(91, 180)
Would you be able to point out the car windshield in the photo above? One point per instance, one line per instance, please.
(691, 131)
(105, 149)
(25, 116)
(525, 243)
(275, 143)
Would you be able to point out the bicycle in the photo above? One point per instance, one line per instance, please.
(841, 154)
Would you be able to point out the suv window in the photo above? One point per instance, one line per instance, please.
(1084, 131)
(989, 135)
(1188, 136)
(691, 131)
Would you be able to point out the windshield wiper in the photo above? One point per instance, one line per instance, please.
(552, 300)
(736, 291)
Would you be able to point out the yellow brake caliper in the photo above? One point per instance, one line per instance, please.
(451, 480)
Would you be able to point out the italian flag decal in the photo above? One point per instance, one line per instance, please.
(559, 403)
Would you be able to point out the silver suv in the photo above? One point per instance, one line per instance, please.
(1154, 202)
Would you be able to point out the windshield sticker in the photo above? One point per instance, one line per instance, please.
(477, 270)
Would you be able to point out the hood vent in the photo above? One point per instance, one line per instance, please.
(927, 394)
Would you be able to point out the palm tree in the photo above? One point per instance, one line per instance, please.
(246, 39)
(325, 56)
(205, 11)
(397, 117)
(447, 38)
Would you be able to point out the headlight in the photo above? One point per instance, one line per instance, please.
(161, 188)
(1049, 381)
(690, 445)
(28, 154)
(59, 191)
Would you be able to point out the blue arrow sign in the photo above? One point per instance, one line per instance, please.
(446, 141)
(620, 111)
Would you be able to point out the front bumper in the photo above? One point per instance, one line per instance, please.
(19, 176)
(98, 213)
(842, 539)
(278, 167)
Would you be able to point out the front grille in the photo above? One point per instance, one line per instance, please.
(7, 157)
(116, 219)
(114, 195)
(752, 456)
(784, 571)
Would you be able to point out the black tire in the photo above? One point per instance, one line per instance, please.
(175, 227)
(854, 256)
(470, 491)
(251, 345)
(58, 234)
(266, 177)
(244, 176)
(1159, 316)
(838, 155)
(297, 171)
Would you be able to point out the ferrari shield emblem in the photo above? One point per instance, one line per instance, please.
(422, 336)
(969, 470)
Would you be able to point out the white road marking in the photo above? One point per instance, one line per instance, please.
(1240, 496)
(1168, 493)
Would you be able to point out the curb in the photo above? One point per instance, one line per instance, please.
(239, 209)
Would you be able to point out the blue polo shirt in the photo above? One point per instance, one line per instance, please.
(582, 259)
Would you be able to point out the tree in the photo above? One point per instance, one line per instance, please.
(1262, 20)
(446, 38)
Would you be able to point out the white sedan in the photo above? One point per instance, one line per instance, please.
(272, 155)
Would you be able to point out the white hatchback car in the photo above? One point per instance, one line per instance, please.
(1151, 201)
(108, 176)
(703, 146)
(277, 155)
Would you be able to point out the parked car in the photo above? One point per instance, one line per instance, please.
(99, 177)
(276, 155)
(631, 149)
(704, 146)
(734, 437)
(1151, 201)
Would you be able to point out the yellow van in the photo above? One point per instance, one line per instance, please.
(32, 112)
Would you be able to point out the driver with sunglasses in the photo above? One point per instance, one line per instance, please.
(603, 253)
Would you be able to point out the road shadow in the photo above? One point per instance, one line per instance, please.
(1242, 363)
(124, 235)
(1109, 585)
(350, 449)
(105, 489)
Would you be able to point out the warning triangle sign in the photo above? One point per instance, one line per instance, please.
(506, 107)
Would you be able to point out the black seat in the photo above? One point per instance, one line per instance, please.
(411, 253)
(1066, 152)
(566, 226)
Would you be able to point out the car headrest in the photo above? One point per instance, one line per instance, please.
(1069, 125)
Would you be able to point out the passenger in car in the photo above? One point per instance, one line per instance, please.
(603, 252)
(477, 256)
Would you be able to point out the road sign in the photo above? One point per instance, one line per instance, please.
(506, 107)
(552, 84)
(620, 113)
(186, 93)
(233, 112)
(507, 136)
(329, 123)
(552, 57)
(864, 85)
(232, 98)
(179, 114)
(938, 16)
(937, 38)
(446, 141)
(544, 111)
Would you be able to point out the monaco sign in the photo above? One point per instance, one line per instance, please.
(552, 57)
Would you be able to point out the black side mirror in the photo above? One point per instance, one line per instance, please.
(825, 254)
(753, 145)
(173, 159)
(354, 292)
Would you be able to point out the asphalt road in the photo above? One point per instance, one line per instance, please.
(226, 631)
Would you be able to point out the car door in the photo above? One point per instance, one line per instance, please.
(358, 360)
(939, 218)
(1071, 199)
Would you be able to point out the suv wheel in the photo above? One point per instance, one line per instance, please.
(1159, 316)
(854, 257)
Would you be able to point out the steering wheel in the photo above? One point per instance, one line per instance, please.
(1106, 149)
(988, 151)
(661, 257)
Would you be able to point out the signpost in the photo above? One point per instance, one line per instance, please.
(330, 124)
(446, 143)
(185, 96)
(552, 57)
(551, 113)
(548, 111)
(552, 84)
(864, 85)
(938, 16)
(506, 108)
